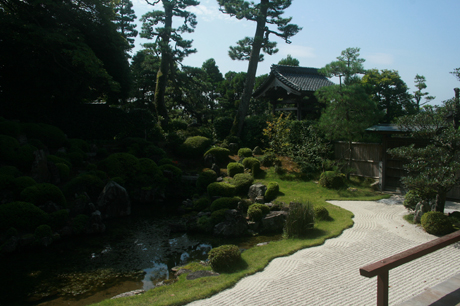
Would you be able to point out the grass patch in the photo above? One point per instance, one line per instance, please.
(257, 258)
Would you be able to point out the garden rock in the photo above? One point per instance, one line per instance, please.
(114, 201)
(273, 222)
(256, 190)
(130, 293)
(234, 225)
(420, 209)
(259, 199)
(96, 222)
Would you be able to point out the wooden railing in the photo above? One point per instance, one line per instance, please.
(381, 268)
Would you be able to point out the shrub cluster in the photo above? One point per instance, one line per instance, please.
(257, 211)
(272, 191)
(244, 152)
(224, 258)
(221, 189)
(21, 215)
(253, 164)
(321, 213)
(205, 178)
(242, 182)
(332, 180)
(195, 147)
(40, 194)
(226, 202)
(234, 168)
(436, 223)
(220, 154)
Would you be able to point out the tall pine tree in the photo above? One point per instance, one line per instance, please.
(125, 21)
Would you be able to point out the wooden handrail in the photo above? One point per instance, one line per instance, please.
(381, 268)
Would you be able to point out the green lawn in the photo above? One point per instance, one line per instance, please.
(257, 258)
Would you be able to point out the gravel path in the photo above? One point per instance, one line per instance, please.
(329, 274)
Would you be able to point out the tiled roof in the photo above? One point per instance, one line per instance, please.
(300, 79)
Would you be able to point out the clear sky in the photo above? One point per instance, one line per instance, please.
(410, 36)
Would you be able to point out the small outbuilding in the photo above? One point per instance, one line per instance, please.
(292, 88)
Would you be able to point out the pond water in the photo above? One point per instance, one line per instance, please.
(136, 252)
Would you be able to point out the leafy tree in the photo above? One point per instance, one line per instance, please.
(456, 73)
(144, 67)
(60, 52)
(289, 61)
(164, 36)
(230, 93)
(389, 91)
(277, 134)
(264, 13)
(348, 66)
(436, 166)
(125, 20)
(214, 78)
(420, 84)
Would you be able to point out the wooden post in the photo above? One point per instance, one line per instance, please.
(382, 288)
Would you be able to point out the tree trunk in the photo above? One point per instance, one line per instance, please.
(440, 201)
(252, 69)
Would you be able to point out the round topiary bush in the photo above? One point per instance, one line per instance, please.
(148, 166)
(244, 152)
(89, 183)
(226, 202)
(124, 165)
(194, 147)
(43, 231)
(59, 160)
(272, 191)
(221, 189)
(224, 258)
(201, 204)
(242, 182)
(234, 168)
(205, 178)
(257, 211)
(21, 183)
(80, 223)
(21, 215)
(220, 154)
(332, 180)
(253, 164)
(268, 160)
(59, 219)
(64, 171)
(10, 171)
(321, 213)
(40, 194)
(436, 223)
(218, 216)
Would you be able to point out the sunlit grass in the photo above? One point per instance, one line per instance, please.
(257, 258)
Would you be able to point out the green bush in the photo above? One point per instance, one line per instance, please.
(321, 213)
(195, 147)
(14, 154)
(166, 161)
(221, 189)
(21, 215)
(224, 258)
(80, 223)
(332, 180)
(253, 164)
(218, 216)
(10, 171)
(204, 223)
(21, 183)
(177, 124)
(222, 126)
(50, 135)
(242, 182)
(8, 148)
(58, 219)
(148, 166)
(201, 204)
(40, 194)
(43, 231)
(59, 160)
(436, 223)
(205, 178)
(272, 191)
(234, 168)
(221, 155)
(64, 171)
(124, 165)
(79, 144)
(268, 160)
(89, 183)
(176, 172)
(6, 182)
(411, 199)
(244, 152)
(257, 211)
(226, 202)
(300, 220)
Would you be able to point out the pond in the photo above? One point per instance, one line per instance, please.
(136, 252)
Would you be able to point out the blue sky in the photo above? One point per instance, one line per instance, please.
(410, 36)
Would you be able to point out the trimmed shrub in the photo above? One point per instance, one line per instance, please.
(436, 223)
(8, 148)
(201, 204)
(124, 165)
(224, 258)
(268, 160)
(59, 160)
(321, 213)
(234, 168)
(220, 154)
(227, 203)
(39, 194)
(10, 171)
(218, 216)
(43, 231)
(332, 180)
(6, 182)
(205, 178)
(272, 191)
(177, 124)
(21, 215)
(79, 223)
(222, 126)
(22, 182)
(242, 182)
(195, 146)
(257, 211)
(253, 164)
(89, 183)
(204, 223)
(166, 161)
(411, 199)
(244, 152)
(176, 172)
(64, 171)
(59, 219)
(50, 135)
(148, 166)
(300, 220)
(79, 144)
(221, 189)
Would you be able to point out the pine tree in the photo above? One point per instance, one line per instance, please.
(125, 21)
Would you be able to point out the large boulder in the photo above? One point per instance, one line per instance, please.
(420, 209)
(114, 201)
(256, 190)
(235, 225)
(273, 222)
